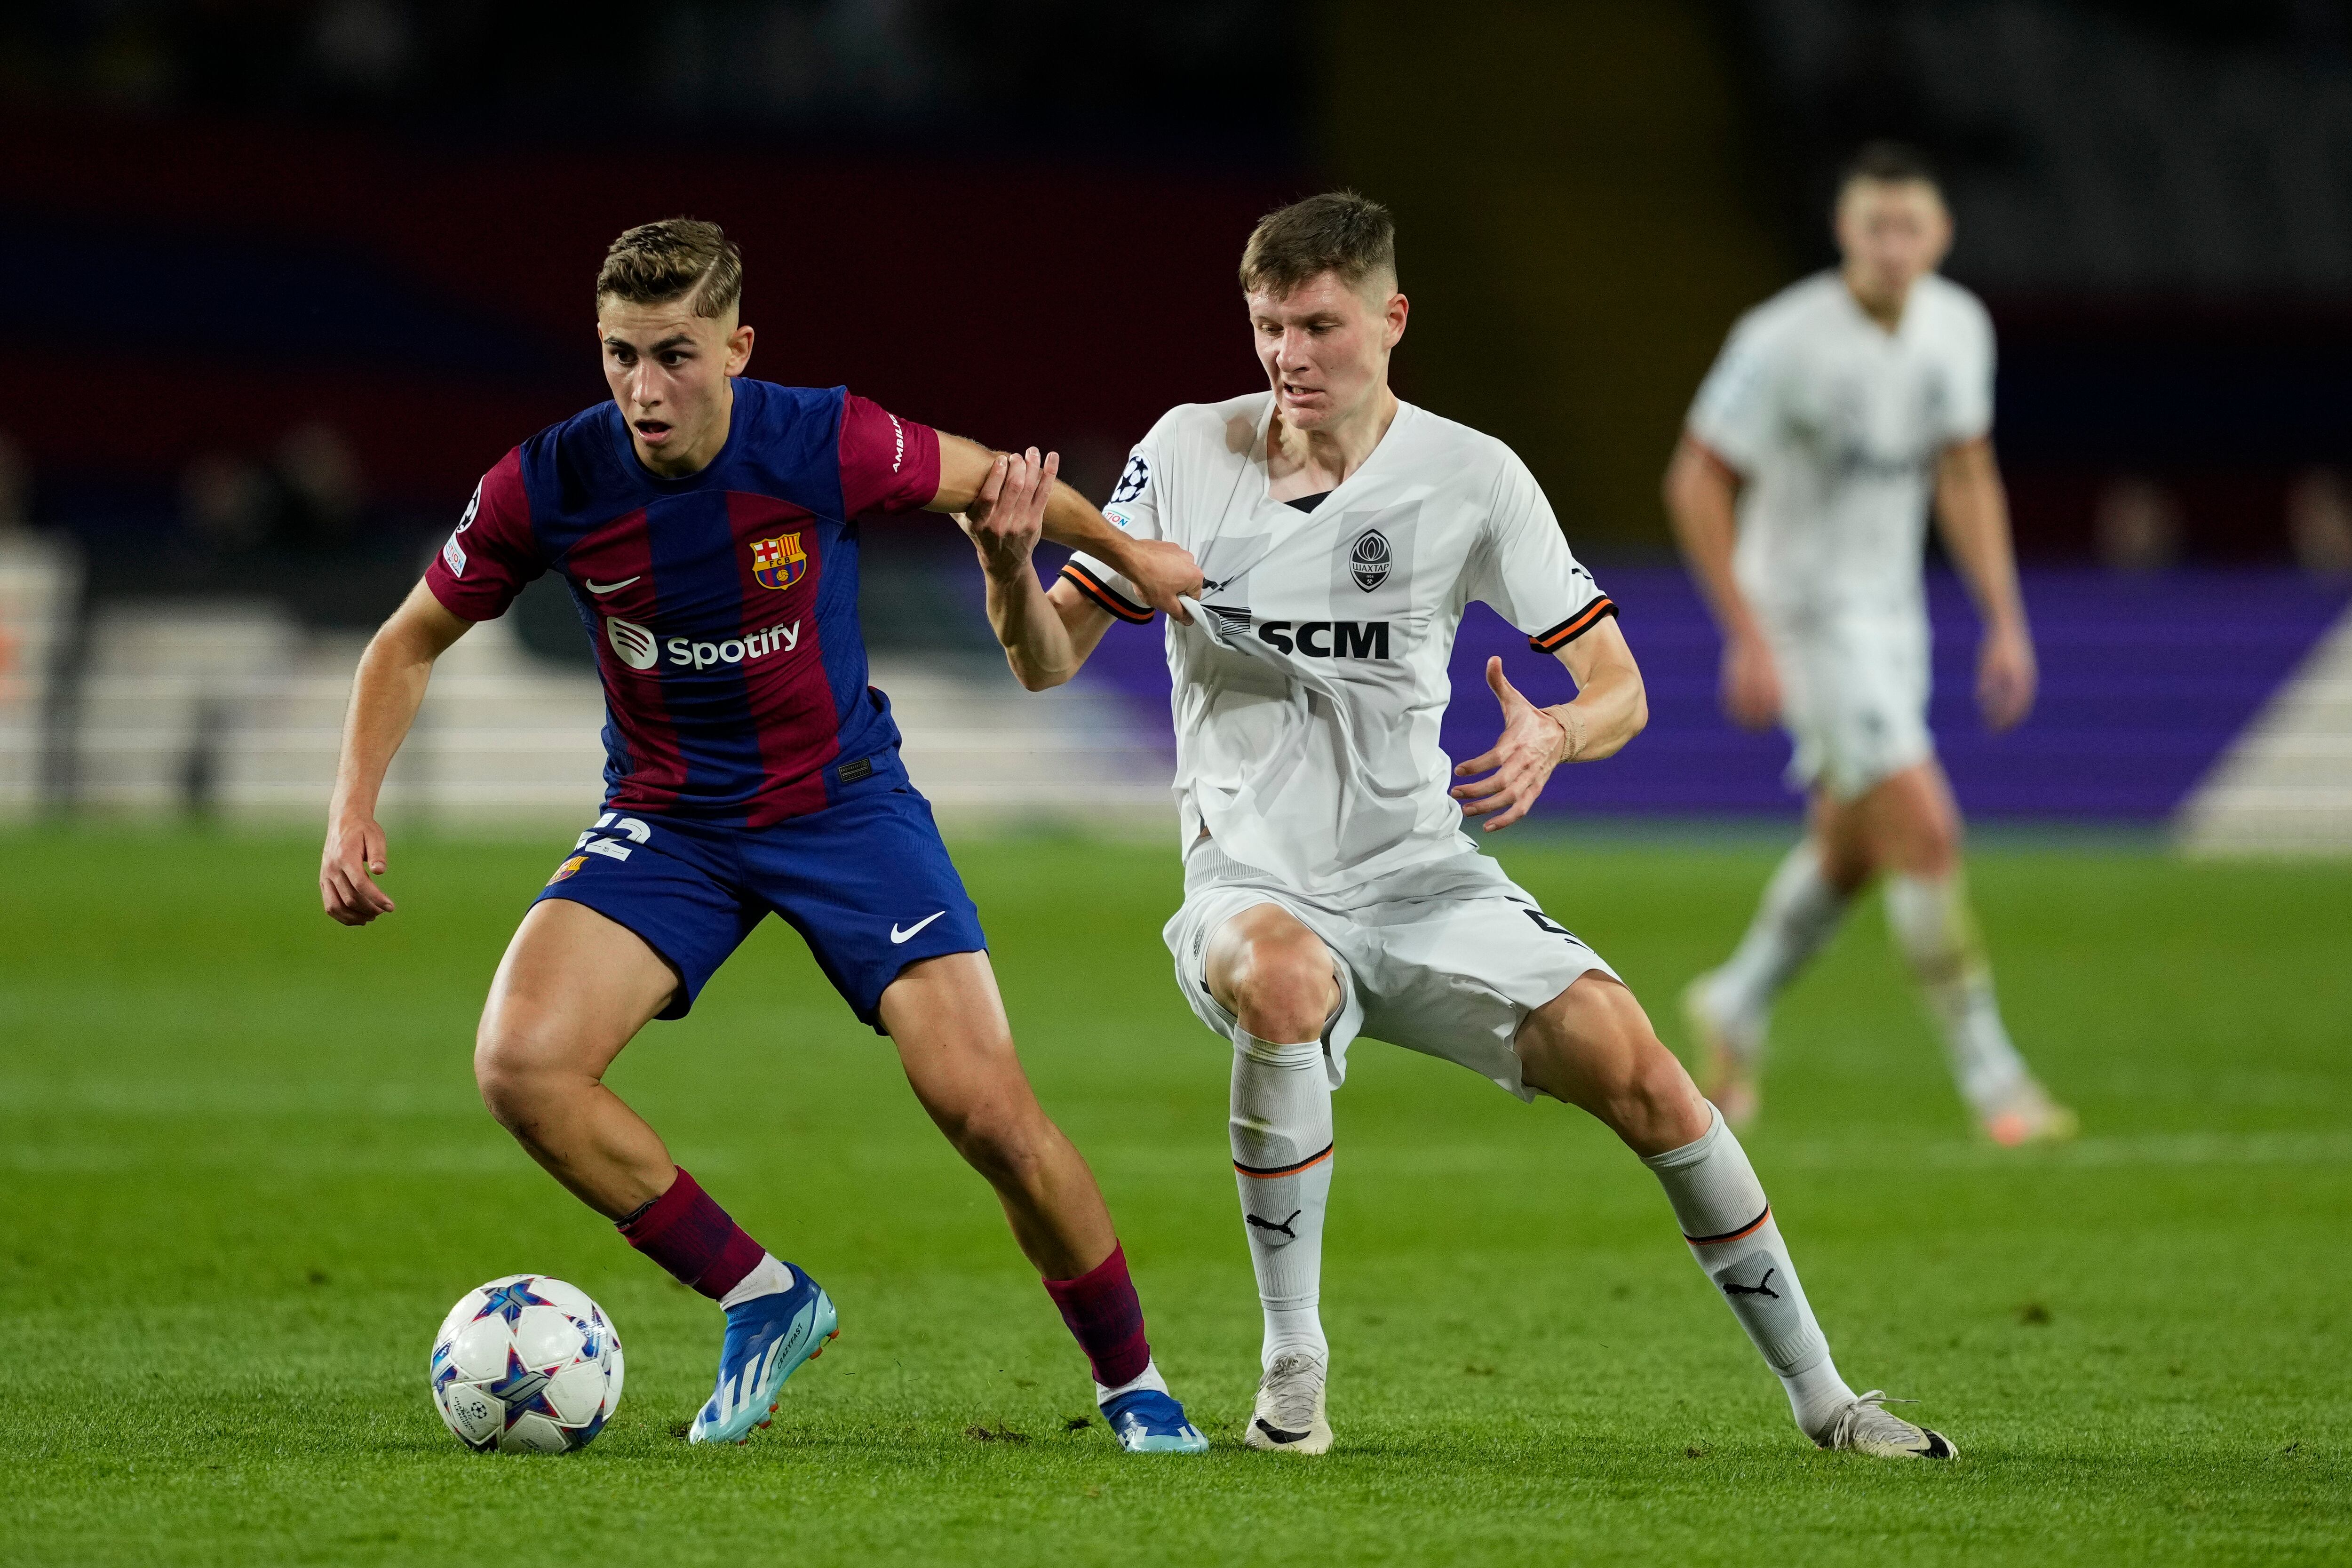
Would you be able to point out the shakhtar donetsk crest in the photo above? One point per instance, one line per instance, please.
(778, 563)
(1368, 562)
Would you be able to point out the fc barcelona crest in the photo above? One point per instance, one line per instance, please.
(778, 563)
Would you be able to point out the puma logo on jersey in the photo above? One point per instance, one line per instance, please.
(1327, 639)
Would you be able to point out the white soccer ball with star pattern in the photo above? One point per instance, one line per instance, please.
(526, 1364)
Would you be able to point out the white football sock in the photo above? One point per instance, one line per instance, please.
(1148, 1378)
(1799, 911)
(1720, 1205)
(1937, 932)
(1281, 1129)
(768, 1277)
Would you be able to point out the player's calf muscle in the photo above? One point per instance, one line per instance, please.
(1049, 1195)
(1592, 1047)
(1907, 822)
(948, 1024)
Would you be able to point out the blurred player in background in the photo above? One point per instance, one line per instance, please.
(1838, 410)
(1328, 888)
(706, 526)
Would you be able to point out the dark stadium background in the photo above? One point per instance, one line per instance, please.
(288, 276)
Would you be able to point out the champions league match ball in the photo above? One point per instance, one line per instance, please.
(526, 1364)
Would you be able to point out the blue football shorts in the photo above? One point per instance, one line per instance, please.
(865, 881)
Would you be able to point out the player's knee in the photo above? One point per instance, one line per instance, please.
(1647, 1099)
(511, 1067)
(506, 1089)
(1930, 847)
(1847, 868)
(1938, 850)
(1283, 986)
(1662, 1103)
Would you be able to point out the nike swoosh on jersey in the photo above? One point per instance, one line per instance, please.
(595, 587)
(899, 936)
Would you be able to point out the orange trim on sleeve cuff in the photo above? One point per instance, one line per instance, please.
(1102, 593)
(1575, 627)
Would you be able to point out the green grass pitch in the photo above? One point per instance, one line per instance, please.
(247, 1173)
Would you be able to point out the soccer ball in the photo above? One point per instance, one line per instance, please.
(526, 1364)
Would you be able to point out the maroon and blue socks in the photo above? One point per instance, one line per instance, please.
(690, 1234)
(1105, 1319)
(687, 1233)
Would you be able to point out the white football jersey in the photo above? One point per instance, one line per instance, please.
(1309, 693)
(1836, 425)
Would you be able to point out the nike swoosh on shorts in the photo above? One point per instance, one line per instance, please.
(899, 936)
(595, 587)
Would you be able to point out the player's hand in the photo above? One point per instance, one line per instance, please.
(1005, 520)
(1162, 573)
(347, 871)
(1533, 742)
(1751, 684)
(2006, 677)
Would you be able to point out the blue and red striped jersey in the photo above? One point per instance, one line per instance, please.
(723, 605)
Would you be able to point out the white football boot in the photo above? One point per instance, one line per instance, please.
(1731, 1051)
(1289, 1414)
(1867, 1426)
(2027, 1114)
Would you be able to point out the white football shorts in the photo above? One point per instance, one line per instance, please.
(1853, 700)
(1447, 958)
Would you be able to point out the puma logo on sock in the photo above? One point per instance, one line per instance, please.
(1761, 1287)
(1283, 1225)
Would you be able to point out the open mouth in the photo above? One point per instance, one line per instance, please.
(653, 432)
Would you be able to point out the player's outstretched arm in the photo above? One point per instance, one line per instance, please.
(1972, 513)
(1162, 572)
(1702, 499)
(385, 692)
(1046, 636)
(1611, 709)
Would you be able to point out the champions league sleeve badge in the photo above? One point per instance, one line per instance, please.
(1131, 479)
(1368, 562)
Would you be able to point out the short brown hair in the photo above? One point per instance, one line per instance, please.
(1338, 231)
(677, 258)
(1889, 162)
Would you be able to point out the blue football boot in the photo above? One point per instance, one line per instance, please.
(768, 1338)
(1146, 1421)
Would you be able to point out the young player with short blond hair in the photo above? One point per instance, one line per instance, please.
(707, 527)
